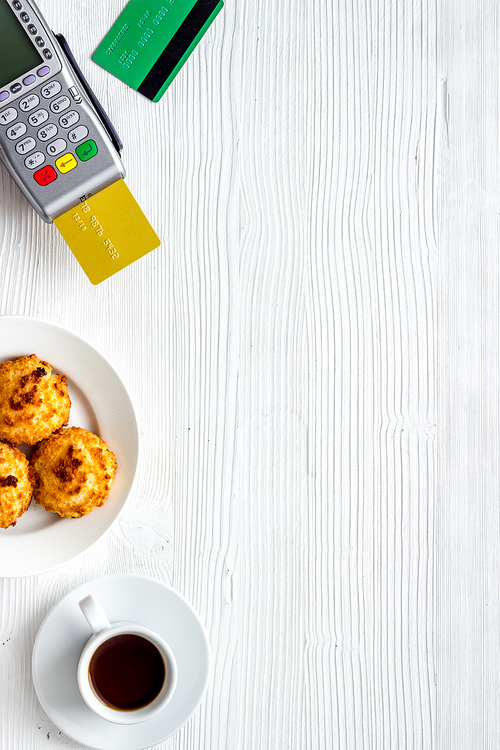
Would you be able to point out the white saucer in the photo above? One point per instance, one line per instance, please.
(65, 631)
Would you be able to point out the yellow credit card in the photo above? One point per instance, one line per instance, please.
(107, 232)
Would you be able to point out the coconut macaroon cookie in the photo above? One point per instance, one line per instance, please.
(16, 485)
(34, 401)
(73, 472)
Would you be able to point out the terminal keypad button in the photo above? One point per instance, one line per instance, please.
(69, 119)
(16, 131)
(50, 89)
(60, 104)
(29, 102)
(66, 163)
(46, 175)
(8, 115)
(78, 134)
(26, 145)
(38, 117)
(35, 160)
(56, 147)
(47, 132)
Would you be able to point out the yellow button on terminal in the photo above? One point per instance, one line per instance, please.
(66, 163)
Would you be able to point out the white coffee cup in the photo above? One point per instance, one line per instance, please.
(113, 689)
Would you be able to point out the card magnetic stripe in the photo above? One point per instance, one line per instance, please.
(177, 47)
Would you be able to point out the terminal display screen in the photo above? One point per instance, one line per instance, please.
(17, 54)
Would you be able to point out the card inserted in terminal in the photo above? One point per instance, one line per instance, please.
(107, 232)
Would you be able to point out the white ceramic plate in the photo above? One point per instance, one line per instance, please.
(41, 540)
(65, 631)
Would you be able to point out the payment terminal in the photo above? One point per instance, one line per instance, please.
(55, 138)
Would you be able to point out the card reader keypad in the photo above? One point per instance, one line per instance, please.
(54, 128)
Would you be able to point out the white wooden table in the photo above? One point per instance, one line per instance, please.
(313, 353)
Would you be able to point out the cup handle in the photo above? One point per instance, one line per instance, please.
(94, 614)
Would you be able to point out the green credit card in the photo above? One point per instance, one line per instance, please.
(151, 41)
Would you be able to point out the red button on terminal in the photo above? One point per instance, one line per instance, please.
(45, 175)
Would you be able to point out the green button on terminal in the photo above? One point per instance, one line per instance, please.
(86, 151)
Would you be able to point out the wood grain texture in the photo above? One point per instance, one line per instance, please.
(313, 353)
(468, 203)
(337, 383)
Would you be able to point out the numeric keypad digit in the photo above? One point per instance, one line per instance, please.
(16, 131)
(26, 145)
(60, 104)
(38, 117)
(56, 147)
(69, 119)
(51, 89)
(8, 115)
(47, 132)
(29, 103)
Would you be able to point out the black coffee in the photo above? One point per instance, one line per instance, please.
(127, 672)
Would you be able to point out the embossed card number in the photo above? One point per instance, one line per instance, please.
(107, 231)
(151, 40)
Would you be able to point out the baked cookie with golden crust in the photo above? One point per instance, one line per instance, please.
(74, 470)
(34, 401)
(16, 485)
